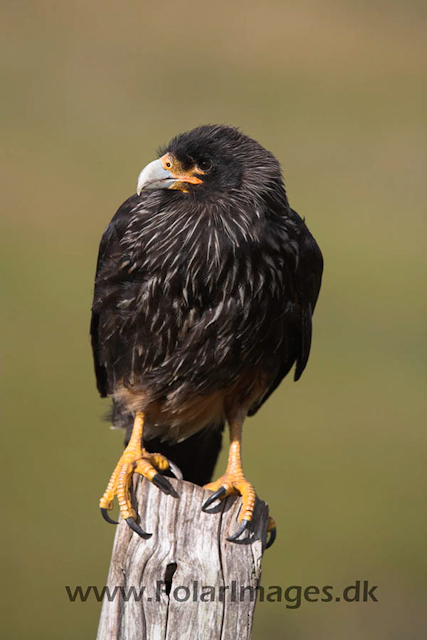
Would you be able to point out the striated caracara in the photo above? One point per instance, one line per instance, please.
(204, 293)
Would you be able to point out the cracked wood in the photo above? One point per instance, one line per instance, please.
(187, 551)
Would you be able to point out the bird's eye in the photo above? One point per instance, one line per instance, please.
(205, 165)
(168, 164)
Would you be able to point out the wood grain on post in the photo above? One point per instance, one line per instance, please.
(188, 581)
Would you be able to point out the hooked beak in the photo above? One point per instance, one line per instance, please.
(156, 176)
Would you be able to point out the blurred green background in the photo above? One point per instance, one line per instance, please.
(337, 90)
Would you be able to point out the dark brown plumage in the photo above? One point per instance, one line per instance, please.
(205, 288)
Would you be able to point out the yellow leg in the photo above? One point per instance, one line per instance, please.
(234, 481)
(134, 459)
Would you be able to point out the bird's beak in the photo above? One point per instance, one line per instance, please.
(156, 175)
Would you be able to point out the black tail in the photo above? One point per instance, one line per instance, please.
(196, 456)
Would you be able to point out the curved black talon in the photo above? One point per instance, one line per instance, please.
(272, 538)
(219, 493)
(240, 530)
(131, 522)
(163, 483)
(173, 468)
(106, 517)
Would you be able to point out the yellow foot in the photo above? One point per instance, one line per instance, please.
(134, 460)
(228, 484)
(237, 484)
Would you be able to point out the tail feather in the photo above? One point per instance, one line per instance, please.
(196, 456)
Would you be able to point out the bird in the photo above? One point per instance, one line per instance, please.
(205, 288)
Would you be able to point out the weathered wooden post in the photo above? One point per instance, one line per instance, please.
(187, 580)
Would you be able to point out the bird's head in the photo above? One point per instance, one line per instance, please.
(213, 159)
